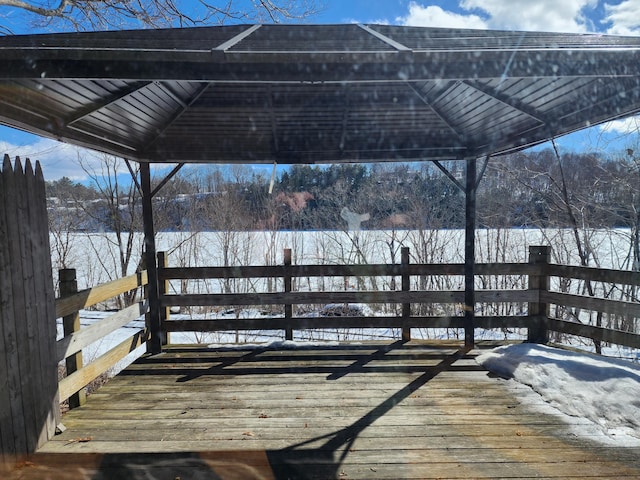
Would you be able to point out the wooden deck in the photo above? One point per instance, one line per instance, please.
(365, 411)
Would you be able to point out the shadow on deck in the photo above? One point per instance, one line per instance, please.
(371, 410)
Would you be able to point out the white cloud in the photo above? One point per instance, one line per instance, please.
(625, 126)
(379, 21)
(434, 16)
(539, 15)
(56, 159)
(624, 17)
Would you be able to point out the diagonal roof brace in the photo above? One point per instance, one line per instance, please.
(166, 179)
(455, 181)
(510, 102)
(449, 175)
(105, 102)
(398, 46)
(223, 47)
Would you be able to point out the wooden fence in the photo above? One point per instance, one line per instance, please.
(29, 411)
(69, 348)
(536, 297)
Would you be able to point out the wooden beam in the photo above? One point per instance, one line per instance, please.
(81, 378)
(470, 252)
(91, 296)
(608, 335)
(305, 323)
(605, 305)
(154, 319)
(539, 255)
(75, 342)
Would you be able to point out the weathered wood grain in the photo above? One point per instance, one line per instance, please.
(300, 323)
(358, 270)
(616, 307)
(100, 293)
(75, 342)
(10, 405)
(363, 411)
(23, 374)
(594, 274)
(28, 369)
(44, 299)
(597, 333)
(80, 378)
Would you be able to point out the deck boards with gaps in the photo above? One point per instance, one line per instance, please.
(348, 411)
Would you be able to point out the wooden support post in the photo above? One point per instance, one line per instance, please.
(406, 286)
(71, 324)
(154, 323)
(288, 307)
(539, 331)
(470, 253)
(163, 288)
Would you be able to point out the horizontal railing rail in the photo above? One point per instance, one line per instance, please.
(353, 296)
(69, 348)
(628, 309)
(593, 274)
(328, 270)
(535, 293)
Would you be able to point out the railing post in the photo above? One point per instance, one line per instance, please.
(539, 331)
(163, 288)
(471, 184)
(288, 307)
(406, 285)
(71, 324)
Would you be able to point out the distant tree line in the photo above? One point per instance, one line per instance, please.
(533, 189)
(572, 196)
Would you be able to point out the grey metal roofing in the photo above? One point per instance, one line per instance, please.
(314, 93)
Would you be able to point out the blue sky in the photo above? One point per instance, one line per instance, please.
(619, 17)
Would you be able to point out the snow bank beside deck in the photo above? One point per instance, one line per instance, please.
(603, 390)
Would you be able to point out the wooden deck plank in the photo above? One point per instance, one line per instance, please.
(378, 411)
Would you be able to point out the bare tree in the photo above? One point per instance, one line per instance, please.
(114, 14)
(118, 207)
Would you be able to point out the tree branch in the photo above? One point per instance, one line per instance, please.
(101, 14)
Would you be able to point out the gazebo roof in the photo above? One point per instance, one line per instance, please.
(314, 93)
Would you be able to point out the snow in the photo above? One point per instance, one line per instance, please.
(602, 390)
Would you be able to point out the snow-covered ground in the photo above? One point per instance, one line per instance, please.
(602, 390)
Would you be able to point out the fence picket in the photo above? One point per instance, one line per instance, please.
(29, 407)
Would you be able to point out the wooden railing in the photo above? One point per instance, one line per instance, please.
(536, 298)
(69, 347)
(606, 310)
(540, 294)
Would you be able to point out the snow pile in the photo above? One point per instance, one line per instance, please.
(605, 391)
